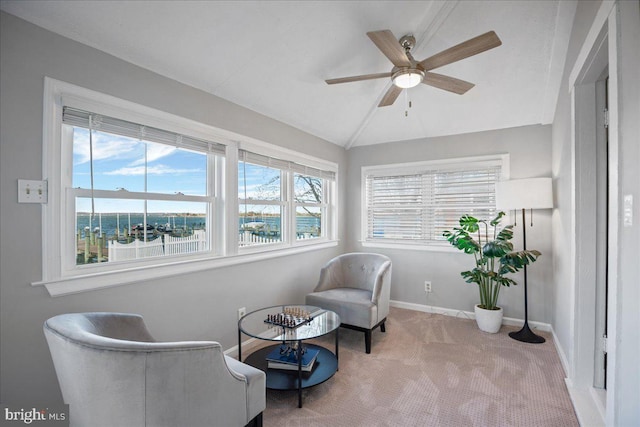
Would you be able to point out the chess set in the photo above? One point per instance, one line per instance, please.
(290, 317)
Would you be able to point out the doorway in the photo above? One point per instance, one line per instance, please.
(594, 86)
(602, 235)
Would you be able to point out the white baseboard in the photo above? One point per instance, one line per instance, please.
(599, 396)
(589, 403)
(563, 356)
(247, 348)
(586, 405)
(509, 321)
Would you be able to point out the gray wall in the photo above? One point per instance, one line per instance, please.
(530, 156)
(196, 306)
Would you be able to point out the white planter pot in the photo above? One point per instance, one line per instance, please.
(488, 320)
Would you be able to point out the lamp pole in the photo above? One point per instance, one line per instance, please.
(526, 334)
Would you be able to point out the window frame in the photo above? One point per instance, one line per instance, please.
(72, 268)
(287, 198)
(57, 168)
(413, 168)
(70, 194)
(281, 202)
(327, 190)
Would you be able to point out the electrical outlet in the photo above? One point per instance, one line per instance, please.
(427, 286)
(241, 312)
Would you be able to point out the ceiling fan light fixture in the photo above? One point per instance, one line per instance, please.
(408, 78)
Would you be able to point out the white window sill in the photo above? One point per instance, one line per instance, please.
(101, 280)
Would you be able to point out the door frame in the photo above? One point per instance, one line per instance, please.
(598, 52)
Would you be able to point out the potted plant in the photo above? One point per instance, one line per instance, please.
(494, 259)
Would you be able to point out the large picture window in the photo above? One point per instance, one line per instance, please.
(412, 204)
(135, 194)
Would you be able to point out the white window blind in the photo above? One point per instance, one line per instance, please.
(286, 165)
(88, 120)
(417, 207)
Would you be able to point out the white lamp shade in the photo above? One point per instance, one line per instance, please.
(531, 193)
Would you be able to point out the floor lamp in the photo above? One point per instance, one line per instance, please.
(533, 193)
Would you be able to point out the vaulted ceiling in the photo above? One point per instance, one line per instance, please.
(273, 57)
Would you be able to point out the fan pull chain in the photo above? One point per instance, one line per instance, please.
(408, 102)
(531, 215)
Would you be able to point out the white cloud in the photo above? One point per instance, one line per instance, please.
(104, 147)
(112, 147)
(151, 170)
(155, 152)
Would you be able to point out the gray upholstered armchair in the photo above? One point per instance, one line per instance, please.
(357, 287)
(113, 373)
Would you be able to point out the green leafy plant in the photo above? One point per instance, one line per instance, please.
(494, 257)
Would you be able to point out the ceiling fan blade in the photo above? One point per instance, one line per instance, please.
(357, 78)
(463, 50)
(447, 83)
(391, 96)
(389, 46)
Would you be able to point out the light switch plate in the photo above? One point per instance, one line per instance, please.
(628, 211)
(30, 191)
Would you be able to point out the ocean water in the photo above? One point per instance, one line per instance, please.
(108, 223)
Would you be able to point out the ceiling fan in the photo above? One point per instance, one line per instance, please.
(407, 72)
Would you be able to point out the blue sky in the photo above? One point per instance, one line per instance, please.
(119, 163)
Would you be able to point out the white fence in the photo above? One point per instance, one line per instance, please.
(248, 239)
(197, 242)
(171, 246)
(183, 245)
(134, 250)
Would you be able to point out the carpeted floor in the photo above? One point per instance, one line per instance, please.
(432, 370)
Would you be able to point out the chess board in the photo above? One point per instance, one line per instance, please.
(289, 318)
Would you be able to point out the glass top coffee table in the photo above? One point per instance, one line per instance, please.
(290, 326)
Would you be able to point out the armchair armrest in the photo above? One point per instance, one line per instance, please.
(382, 285)
(330, 276)
(256, 385)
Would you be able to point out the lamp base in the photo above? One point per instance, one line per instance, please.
(526, 335)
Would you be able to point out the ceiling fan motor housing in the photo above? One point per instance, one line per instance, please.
(407, 42)
(412, 75)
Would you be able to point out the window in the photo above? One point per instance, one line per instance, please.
(412, 204)
(310, 205)
(260, 201)
(136, 194)
(281, 201)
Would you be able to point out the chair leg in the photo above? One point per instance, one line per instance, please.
(256, 421)
(367, 340)
(382, 328)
